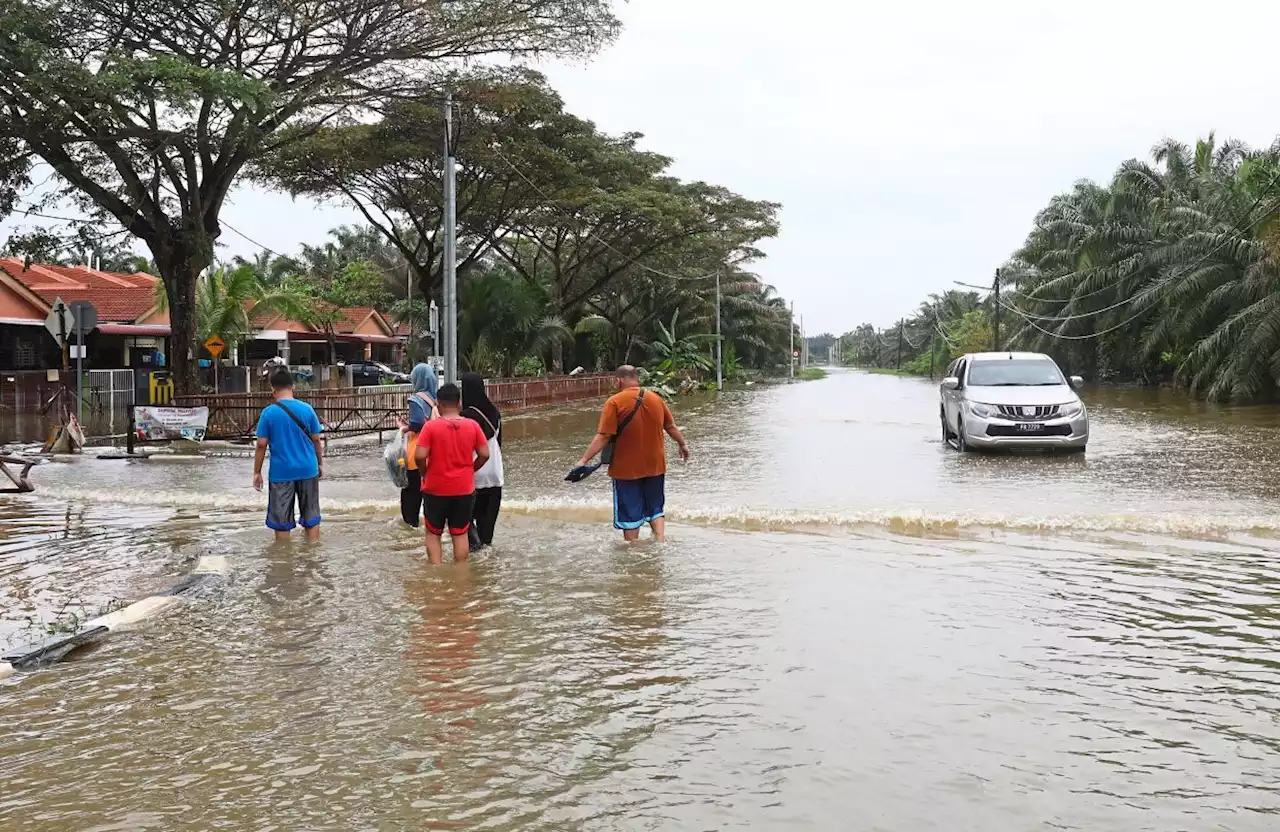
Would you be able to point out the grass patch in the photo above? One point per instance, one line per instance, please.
(811, 374)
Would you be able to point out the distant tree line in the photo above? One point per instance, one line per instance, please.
(1169, 274)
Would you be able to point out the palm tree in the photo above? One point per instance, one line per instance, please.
(229, 298)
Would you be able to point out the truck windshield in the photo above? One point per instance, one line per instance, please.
(1016, 372)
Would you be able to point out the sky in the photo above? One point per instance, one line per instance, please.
(910, 144)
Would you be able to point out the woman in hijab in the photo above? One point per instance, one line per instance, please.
(422, 407)
(477, 407)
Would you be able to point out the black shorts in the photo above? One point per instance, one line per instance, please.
(452, 513)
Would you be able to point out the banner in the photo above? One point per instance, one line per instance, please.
(156, 424)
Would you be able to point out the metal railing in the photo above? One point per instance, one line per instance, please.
(360, 410)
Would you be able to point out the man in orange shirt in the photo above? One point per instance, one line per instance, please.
(631, 426)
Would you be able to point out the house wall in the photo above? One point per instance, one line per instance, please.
(14, 306)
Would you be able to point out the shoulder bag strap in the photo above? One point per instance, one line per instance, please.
(626, 420)
(296, 420)
(480, 413)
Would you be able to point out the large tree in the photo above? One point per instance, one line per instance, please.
(148, 110)
(508, 127)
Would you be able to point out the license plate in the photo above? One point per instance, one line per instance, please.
(1030, 427)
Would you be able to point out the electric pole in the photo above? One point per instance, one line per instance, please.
(791, 350)
(933, 353)
(996, 288)
(450, 249)
(804, 346)
(898, 365)
(719, 351)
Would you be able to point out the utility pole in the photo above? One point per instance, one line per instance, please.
(450, 249)
(804, 346)
(933, 353)
(996, 288)
(719, 342)
(791, 350)
(898, 365)
(408, 305)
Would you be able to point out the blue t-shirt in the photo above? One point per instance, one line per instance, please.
(293, 457)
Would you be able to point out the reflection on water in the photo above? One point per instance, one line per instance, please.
(846, 617)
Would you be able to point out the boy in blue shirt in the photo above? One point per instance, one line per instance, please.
(293, 432)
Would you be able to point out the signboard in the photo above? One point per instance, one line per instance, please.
(60, 322)
(215, 345)
(84, 314)
(156, 424)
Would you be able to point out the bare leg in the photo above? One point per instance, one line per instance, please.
(659, 526)
(313, 533)
(631, 535)
(282, 536)
(435, 555)
(461, 548)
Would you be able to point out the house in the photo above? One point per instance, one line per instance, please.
(358, 333)
(132, 332)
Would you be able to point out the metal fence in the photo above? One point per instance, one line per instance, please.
(360, 410)
(511, 394)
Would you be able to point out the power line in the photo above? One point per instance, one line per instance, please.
(1143, 311)
(1247, 220)
(1030, 319)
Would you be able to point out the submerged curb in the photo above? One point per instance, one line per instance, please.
(209, 568)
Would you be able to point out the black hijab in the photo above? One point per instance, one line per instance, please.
(475, 401)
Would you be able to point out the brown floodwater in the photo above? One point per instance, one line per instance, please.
(849, 627)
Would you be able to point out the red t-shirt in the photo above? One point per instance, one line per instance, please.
(451, 443)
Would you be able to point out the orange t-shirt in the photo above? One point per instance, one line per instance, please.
(639, 451)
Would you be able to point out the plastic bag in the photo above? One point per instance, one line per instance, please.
(394, 457)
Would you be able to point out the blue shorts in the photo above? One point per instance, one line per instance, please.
(636, 502)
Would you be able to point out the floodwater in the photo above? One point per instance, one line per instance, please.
(850, 627)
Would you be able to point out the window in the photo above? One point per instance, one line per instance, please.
(1016, 372)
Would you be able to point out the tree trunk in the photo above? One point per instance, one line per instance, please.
(180, 259)
(180, 288)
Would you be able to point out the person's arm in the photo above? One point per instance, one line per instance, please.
(317, 439)
(263, 432)
(596, 446)
(605, 431)
(259, 455)
(669, 425)
(482, 449)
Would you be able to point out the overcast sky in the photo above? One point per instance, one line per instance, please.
(910, 143)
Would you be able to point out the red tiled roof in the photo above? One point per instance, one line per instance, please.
(352, 317)
(119, 298)
(401, 330)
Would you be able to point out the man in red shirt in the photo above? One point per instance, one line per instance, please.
(450, 450)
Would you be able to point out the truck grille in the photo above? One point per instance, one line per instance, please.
(1013, 431)
(1037, 413)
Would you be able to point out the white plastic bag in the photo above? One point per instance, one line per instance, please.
(394, 457)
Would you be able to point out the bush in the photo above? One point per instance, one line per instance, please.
(529, 366)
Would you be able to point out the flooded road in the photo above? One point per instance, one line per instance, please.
(849, 627)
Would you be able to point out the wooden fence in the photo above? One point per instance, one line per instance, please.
(355, 411)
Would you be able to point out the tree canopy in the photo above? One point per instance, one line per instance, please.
(148, 112)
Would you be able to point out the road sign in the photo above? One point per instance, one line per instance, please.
(60, 322)
(85, 315)
(215, 345)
